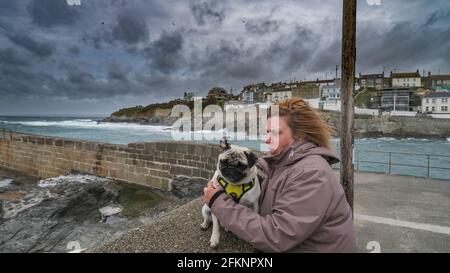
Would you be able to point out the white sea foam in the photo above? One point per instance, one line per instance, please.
(71, 178)
(4, 183)
(92, 124)
(386, 138)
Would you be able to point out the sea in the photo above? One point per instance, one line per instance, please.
(420, 157)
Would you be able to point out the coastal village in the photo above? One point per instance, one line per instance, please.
(395, 93)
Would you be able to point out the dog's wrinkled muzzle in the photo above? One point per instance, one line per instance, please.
(232, 174)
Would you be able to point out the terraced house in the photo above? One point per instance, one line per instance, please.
(436, 102)
(406, 79)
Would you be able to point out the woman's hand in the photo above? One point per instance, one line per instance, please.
(209, 191)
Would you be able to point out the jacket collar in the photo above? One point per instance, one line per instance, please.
(299, 149)
(287, 153)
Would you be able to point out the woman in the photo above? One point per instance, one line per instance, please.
(302, 205)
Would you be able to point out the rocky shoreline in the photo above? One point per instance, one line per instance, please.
(79, 212)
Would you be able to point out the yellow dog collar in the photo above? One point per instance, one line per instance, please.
(235, 191)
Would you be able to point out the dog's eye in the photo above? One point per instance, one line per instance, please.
(241, 166)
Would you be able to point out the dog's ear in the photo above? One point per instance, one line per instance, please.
(224, 144)
(251, 158)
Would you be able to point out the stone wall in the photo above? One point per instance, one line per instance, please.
(393, 126)
(152, 164)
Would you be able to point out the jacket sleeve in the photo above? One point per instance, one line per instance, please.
(298, 211)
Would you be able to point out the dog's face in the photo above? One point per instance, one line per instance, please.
(235, 163)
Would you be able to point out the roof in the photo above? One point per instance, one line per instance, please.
(397, 89)
(371, 76)
(405, 75)
(440, 77)
(331, 86)
(437, 95)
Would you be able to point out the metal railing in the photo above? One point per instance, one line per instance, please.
(6, 134)
(390, 163)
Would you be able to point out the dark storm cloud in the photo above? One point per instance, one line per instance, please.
(74, 50)
(299, 50)
(18, 82)
(130, 30)
(127, 29)
(438, 18)
(40, 49)
(48, 13)
(327, 58)
(207, 12)
(8, 7)
(164, 54)
(77, 76)
(261, 27)
(117, 72)
(10, 57)
(229, 60)
(404, 46)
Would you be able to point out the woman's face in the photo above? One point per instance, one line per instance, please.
(278, 135)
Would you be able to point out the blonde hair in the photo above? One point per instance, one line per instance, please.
(304, 121)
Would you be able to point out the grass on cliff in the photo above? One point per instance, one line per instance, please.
(151, 108)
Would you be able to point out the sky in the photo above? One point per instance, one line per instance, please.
(102, 55)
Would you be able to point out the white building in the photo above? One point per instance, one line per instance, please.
(436, 102)
(331, 92)
(408, 79)
(279, 95)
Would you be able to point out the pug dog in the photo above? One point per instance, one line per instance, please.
(237, 174)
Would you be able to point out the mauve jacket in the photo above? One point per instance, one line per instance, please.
(302, 205)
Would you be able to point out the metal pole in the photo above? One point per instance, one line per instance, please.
(390, 161)
(347, 84)
(428, 166)
(357, 160)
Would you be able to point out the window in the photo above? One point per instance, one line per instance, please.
(444, 108)
(444, 100)
(426, 101)
(433, 100)
(433, 109)
(427, 109)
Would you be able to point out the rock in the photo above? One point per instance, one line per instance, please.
(110, 210)
(71, 213)
(188, 187)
